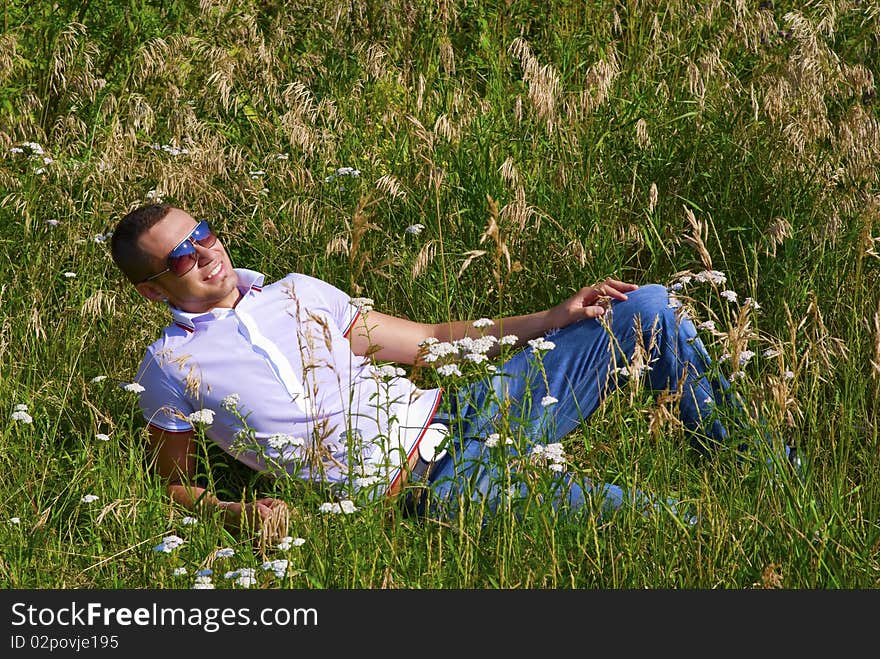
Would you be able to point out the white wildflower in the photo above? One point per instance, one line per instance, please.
(730, 296)
(226, 552)
(480, 323)
(134, 387)
(429, 341)
(493, 440)
(674, 302)
(189, 521)
(541, 344)
(415, 229)
(205, 416)
(69, 275)
(98, 378)
(707, 325)
(230, 402)
(547, 401)
(389, 371)
(745, 356)
(278, 567)
(749, 302)
(334, 507)
(15, 520)
(475, 357)
(53, 223)
(246, 577)
(448, 370)
(179, 571)
(788, 375)
(348, 171)
(203, 583)
(508, 339)
(22, 416)
(363, 304)
(102, 437)
(713, 276)
(89, 498)
(169, 543)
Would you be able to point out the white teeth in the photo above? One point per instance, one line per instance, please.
(215, 270)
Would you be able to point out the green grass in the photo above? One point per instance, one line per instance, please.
(761, 122)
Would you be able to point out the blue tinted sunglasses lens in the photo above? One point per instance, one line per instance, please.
(183, 258)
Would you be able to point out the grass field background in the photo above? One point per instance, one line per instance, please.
(531, 149)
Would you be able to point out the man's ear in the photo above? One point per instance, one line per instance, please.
(150, 291)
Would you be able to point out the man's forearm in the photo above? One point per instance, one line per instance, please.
(201, 500)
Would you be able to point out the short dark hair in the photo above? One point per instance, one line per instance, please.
(124, 242)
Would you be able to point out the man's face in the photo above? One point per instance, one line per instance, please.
(211, 283)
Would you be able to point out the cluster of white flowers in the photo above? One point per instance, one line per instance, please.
(179, 571)
(674, 303)
(289, 541)
(750, 302)
(189, 521)
(363, 304)
(366, 475)
(34, 153)
(170, 149)
(335, 507)
(203, 582)
(771, 352)
(414, 229)
(169, 544)
(388, 371)
(730, 296)
(20, 413)
(745, 356)
(256, 173)
(707, 325)
(553, 455)
(283, 447)
(547, 401)
(449, 370)
(508, 339)
(225, 552)
(230, 402)
(540, 344)
(102, 437)
(103, 237)
(343, 171)
(494, 440)
(244, 577)
(89, 498)
(480, 323)
(133, 387)
(15, 520)
(205, 416)
(53, 222)
(98, 378)
(69, 275)
(711, 276)
(277, 566)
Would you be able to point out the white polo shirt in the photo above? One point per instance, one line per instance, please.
(297, 400)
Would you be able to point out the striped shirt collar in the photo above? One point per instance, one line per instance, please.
(250, 282)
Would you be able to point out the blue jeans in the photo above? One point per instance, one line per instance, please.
(579, 372)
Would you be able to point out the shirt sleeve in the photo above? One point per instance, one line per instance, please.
(162, 402)
(337, 303)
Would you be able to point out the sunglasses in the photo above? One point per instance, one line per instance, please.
(183, 258)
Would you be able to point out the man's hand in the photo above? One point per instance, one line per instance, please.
(256, 515)
(590, 302)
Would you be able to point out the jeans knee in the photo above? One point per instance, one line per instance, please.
(649, 302)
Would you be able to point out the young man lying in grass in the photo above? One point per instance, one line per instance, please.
(287, 377)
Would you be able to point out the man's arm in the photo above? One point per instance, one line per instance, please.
(175, 462)
(393, 339)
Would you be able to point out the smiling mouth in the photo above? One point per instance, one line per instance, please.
(213, 272)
